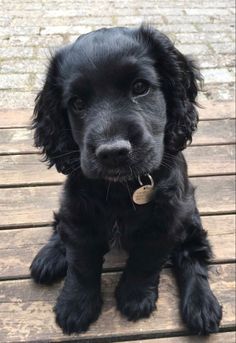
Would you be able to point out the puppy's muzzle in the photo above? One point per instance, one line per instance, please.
(114, 153)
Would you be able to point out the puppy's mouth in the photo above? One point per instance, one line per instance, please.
(117, 174)
(131, 171)
(122, 174)
(117, 177)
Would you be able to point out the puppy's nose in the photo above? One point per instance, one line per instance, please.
(113, 153)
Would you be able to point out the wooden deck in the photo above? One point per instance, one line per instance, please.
(26, 309)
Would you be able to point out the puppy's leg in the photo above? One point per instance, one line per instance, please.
(200, 309)
(80, 301)
(50, 264)
(137, 290)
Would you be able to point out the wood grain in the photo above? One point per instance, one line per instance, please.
(19, 246)
(28, 205)
(209, 132)
(34, 205)
(14, 141)
(210, 160)
(26, 309)
(26, 170)
(15, 118)
(30, 170)
(215, 194)
(209, 110)
(215, 132)
(216, 110)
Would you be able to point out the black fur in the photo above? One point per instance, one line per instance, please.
(94, 123)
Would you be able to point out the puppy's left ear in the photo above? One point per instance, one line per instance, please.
(52, 131)
(180, 81)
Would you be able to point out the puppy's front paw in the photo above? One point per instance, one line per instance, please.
(135, 302)
(49, 265)
(202, 312)
(76, 311)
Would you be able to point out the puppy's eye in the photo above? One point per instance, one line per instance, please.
(140, 87)
(78, 105)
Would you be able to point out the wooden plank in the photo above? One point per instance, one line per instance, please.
(209, 110)
(226, 337)
(215, 194)
(216, 110)
(202, 160)
(28, 205)
(13, 141)
(26, 310)
(15, 118)
(210, 160)
(220, 226)
(19, 246)
(34, 205)
(209, 132)
(26, 170)
(215, 132)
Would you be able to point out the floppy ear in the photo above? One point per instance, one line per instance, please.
(180, 82)
(50, 121)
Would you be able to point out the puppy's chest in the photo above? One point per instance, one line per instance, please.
(116, 235)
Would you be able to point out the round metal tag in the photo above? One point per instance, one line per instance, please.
(143, 195)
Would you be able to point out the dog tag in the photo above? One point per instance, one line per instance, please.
(143, 195)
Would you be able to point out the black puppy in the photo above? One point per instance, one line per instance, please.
(117, 108)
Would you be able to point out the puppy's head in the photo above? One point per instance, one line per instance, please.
(114, 101)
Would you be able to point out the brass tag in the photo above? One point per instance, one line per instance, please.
(143, 195)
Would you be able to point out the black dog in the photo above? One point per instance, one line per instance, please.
(117, 108)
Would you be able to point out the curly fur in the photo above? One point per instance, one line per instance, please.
(91, 125)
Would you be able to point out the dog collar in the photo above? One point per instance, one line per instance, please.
(143, 195)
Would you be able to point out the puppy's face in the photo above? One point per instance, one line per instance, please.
(114, 101)
(116, 108)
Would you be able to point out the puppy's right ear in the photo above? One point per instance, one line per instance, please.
(50, 121)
